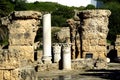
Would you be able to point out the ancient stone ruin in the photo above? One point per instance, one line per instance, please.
(17, 60)
(84, 44)
(88, 34)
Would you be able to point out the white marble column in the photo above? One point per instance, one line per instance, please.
(56, 52)
(47, 38)
(66, 49)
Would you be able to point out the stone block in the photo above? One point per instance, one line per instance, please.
(93, 42)
(89, 35)
(15, 74)
(102, 36)
(24, 25)
(53, 66)
(101, 48)
(26, 53)
(9, 60)
(85, 48)
(85, 45)
(92, 48)
(102, 42)
(6, 75)
(26, 15)
(1, 74)
(20, 34)
(23, 73)
(102, 55)
(20, 39)
(94, 13)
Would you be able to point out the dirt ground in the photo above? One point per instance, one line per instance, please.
(112, 73)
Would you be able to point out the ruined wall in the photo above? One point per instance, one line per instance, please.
(63, 35)
(18, 59)
(88, 36)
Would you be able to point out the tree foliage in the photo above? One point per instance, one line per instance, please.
(5, 7)
(61, 13)
(90, 6)
(19, 5)
(114, 20)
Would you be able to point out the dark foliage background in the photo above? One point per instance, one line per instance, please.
(61, 13)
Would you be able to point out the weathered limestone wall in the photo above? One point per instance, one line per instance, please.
(88, 36)
(22, 32)
(18, 59)
(75, 38)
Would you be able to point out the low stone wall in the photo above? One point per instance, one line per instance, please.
(78, 64)
(47, 67)
(11, 69)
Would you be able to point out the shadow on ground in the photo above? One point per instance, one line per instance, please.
(104, 74)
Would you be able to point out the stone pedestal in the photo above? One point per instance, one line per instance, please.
(66, 49)
(47, 38)
(56, 52)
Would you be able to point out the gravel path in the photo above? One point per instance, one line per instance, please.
(112, 73)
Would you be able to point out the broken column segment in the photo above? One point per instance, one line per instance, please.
(47, 38)
(94, 26)
(56, 52)
(66, 52)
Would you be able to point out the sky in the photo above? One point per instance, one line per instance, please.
(75, 3)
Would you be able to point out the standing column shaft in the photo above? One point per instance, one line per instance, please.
(47, 38)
